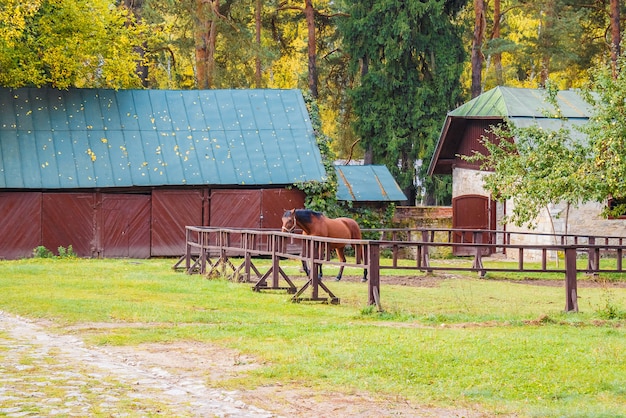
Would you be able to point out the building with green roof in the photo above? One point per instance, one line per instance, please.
(121, 173)
(462, 131)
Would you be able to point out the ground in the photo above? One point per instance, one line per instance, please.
(47, 370)
(47, 373)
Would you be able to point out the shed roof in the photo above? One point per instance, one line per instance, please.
(86, 138)
(521, 106)
(367, 183)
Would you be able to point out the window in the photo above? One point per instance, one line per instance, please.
(617, 208)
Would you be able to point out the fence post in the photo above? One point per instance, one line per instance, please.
(425, 258)
(374, 273)
(571, 291)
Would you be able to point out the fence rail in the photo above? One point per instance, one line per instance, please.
(211, 250)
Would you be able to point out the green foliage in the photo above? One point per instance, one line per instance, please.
(67, 252)
(606, 130)
(534, 167)
(321, 196)
(42, 252)
(560, 38)
(64, 253)
(68, 43)
(407, 57)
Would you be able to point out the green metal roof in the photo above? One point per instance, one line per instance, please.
(367, 183)
(85, 138)
(513, 102)
(520, 106)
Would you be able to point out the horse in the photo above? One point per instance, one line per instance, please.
(317, 224)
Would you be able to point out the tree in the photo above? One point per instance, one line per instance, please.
(407, 57)
(529, 42)
(533, 168)
(67, 43)
(607, 133)
(477, 42)
(615, 35)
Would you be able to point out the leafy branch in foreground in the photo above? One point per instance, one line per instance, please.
(606, 131)
(534, 167)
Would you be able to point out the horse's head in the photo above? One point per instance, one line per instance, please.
(289, 221)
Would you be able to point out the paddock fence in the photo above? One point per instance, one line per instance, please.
(231, 252)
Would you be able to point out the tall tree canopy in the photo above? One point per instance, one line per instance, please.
(526, 42)
(408, 57)
(64, 43)
(607, 133)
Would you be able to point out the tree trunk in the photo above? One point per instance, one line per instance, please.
(309, 13)
(257, 21)
(497, 57)
(477, 55)
(546, 41)
(141, 70)
(615, 36)
(211, 46)
(201, 42)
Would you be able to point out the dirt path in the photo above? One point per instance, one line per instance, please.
(43, 373)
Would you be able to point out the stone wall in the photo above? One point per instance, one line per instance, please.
(586, 219)
(423, 217)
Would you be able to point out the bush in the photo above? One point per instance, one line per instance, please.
(42, 252)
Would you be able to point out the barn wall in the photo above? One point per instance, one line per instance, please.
(20, 229)
(139, 223)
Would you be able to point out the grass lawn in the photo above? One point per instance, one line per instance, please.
(497, 345)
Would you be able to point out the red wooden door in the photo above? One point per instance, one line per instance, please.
(172, 211)
(125, 225)
(472, 212)
(275, 202)
(236, 208)
(20, 229)
(67, 219)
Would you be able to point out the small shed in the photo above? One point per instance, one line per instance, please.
(121, 173)
(472, 205)
(367, 185)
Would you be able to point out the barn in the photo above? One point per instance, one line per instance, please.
(472, 205)
(121, 173)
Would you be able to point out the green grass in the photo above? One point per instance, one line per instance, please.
(500, 346)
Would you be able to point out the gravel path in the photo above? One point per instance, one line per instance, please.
(43, 374)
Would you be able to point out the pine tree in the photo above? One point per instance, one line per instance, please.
(408, 56)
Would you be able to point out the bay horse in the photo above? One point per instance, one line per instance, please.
(317, 224)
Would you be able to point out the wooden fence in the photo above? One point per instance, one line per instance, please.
(231, 252)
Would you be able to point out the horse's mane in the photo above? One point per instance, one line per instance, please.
(306, 215)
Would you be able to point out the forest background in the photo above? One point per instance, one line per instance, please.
(380, 74)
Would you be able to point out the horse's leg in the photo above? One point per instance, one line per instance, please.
(342, 258)
(361, 258)
(305, 267)
(321, 253)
